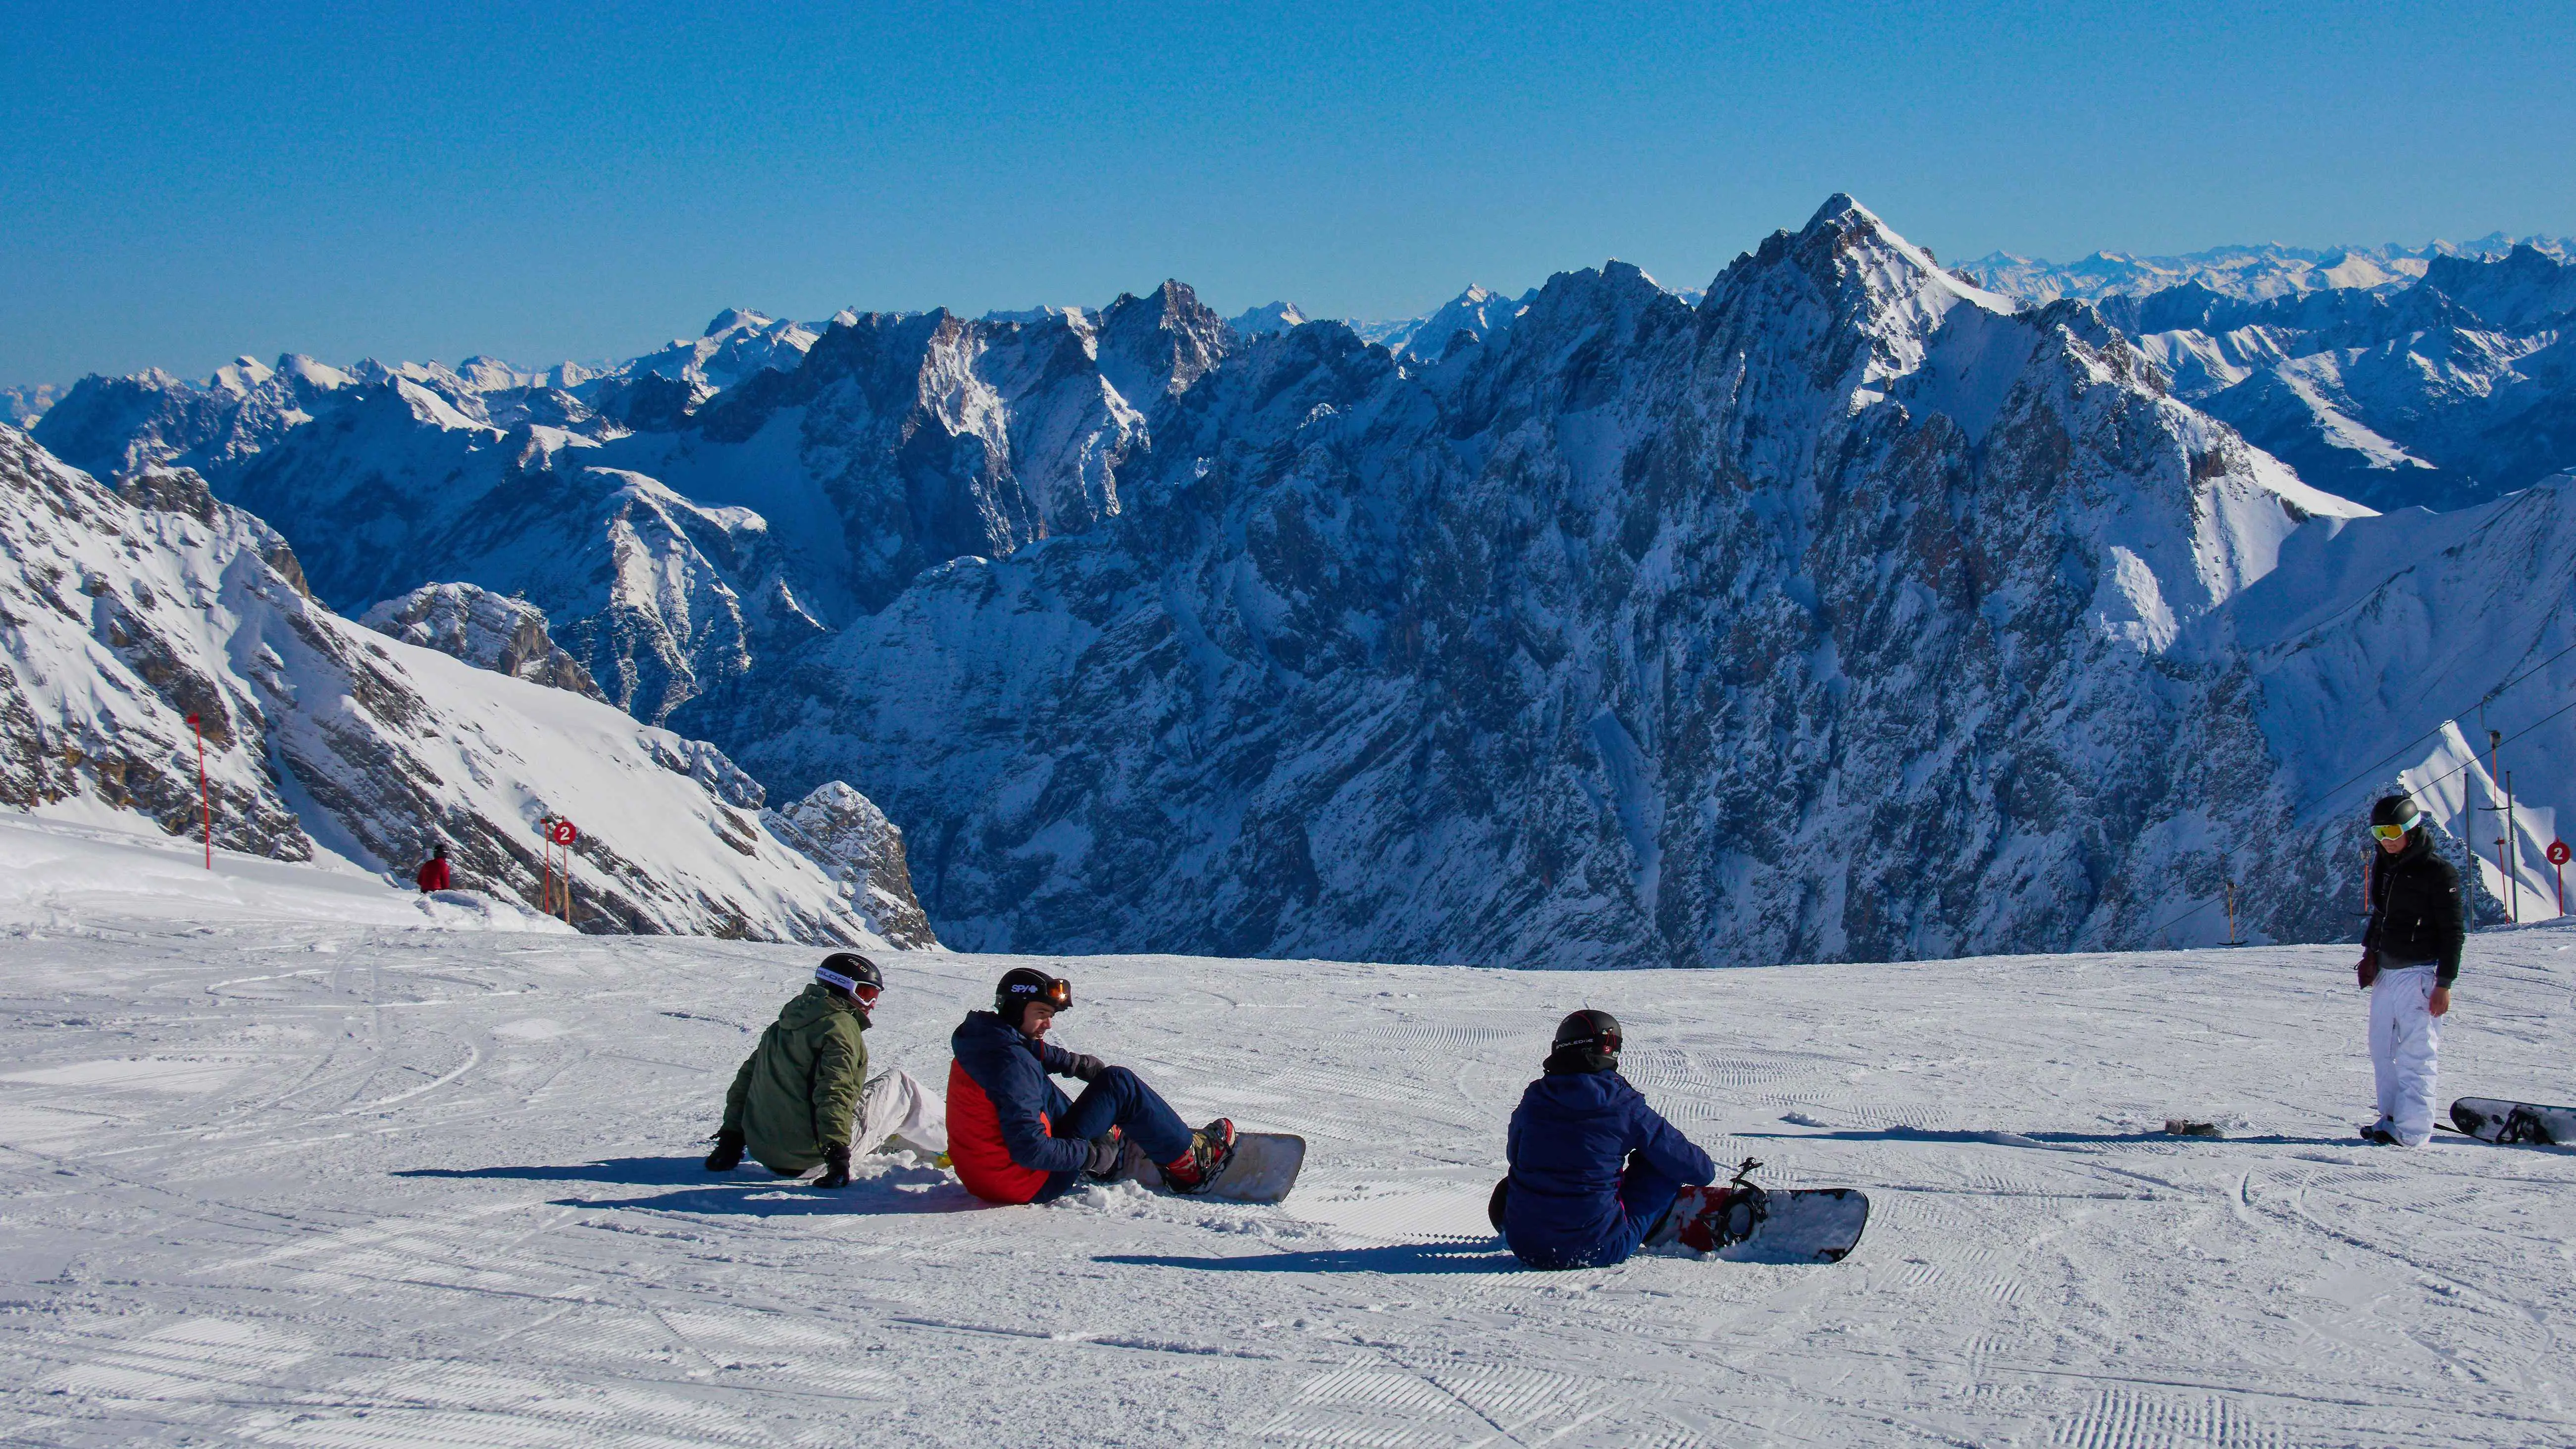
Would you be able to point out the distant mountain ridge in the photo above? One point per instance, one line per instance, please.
(2254, 273)
(1856, 610)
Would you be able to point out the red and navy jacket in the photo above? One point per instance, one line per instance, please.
(1002, 1111)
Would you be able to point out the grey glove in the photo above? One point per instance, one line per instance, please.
(1105, 1152)
(1088, 1068)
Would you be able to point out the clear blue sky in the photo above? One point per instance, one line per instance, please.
(187, 182)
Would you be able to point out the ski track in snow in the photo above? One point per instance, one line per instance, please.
(442, 1188)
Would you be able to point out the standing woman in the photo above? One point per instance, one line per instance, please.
(2410, 955)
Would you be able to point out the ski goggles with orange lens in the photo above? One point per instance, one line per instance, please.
(2394, 832)
(1058, 994)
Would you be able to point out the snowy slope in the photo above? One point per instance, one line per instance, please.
(122, 616)
(59, 875)
(2386, 647)
(313, 1181)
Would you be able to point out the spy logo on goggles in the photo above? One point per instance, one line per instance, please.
(1057, 992)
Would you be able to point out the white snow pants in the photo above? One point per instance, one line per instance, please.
(2405, 1035)
(895, 1106)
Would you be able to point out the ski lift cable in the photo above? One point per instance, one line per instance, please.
(2366, 771)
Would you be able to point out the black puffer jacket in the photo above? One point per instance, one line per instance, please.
(2415, 909)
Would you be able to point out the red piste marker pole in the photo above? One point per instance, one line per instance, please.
(205, 803)
(2559, 855)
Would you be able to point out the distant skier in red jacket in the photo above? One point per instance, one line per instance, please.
(433, 872)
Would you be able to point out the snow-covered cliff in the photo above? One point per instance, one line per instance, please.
(122, 617)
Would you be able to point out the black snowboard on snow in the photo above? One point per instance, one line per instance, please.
(2494, 1121)
(1758, 1225)
(1264, 1168)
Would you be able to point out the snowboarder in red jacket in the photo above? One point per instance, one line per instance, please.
(433, 872)
(1014, 1137)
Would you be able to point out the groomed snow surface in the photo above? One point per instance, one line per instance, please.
(332, 1176)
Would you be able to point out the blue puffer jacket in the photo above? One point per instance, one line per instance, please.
(1570, 1138)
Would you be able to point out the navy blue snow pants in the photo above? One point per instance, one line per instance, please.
(1121, 1099)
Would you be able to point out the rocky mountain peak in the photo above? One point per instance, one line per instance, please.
(1267, 320)
(735, 319)
(486, 630)
(1155, 346)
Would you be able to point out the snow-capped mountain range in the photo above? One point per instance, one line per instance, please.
(134, 621)
(1853, 610)
(2247, 273)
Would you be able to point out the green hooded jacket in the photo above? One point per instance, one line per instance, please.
(797, 1095)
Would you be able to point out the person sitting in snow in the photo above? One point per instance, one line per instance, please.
(1012, 1135)
(433, 874)
(1594, 1170)
(2410, 955)
(803, 1096)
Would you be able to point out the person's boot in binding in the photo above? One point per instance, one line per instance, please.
(1211, 1148)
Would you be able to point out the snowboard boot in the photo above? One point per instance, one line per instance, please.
(2377, 1133)
(728, 1153)
(1211, 1148)
(1720, 1217)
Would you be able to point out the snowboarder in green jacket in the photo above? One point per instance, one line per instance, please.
(794, 1102)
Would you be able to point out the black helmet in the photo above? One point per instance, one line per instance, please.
(2396, 810)
(848, 971)
(1024, 984)
(1587, 1041)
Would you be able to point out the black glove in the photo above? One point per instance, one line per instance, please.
(836, 1168)
(728, 1153)
(2366, 969)
(1105, 1152)
(1087, 1067)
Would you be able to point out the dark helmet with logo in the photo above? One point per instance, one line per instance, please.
(1022, 985)
(851, 972)
(1587, 1041)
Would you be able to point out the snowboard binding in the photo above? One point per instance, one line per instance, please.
(1720, 1217)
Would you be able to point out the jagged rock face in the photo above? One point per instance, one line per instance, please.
(862, 850)
(122, 616)
(1472, 318)
(485, 630)
(1829, 619)
(908, 440)
(658, 599)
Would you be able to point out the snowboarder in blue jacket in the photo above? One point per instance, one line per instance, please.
(1594, 1170)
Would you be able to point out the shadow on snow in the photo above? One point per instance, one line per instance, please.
(1449, 1257)
(2061, 1141)
(752, 1191)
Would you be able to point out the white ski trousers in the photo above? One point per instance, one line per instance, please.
(895, 1106)
(2405, 1035)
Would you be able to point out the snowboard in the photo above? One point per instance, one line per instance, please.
(2494, 1121)
(1757, 1225)
(1799, 1225)
(1264, 1169)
